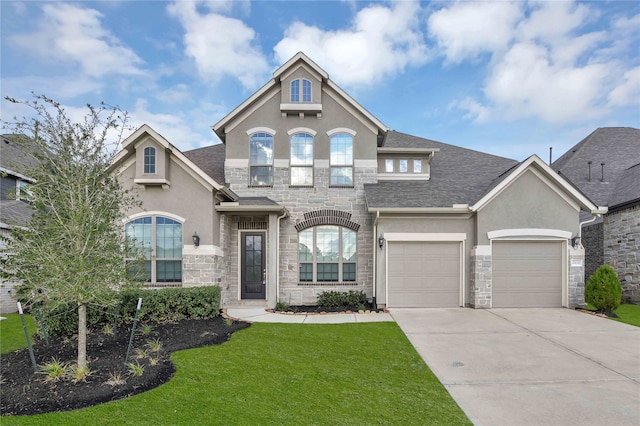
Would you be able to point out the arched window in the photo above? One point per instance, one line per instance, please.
(261, 159)
(301, 159)
(297, 94)
(157, 240)
(341, 159)
(327, 253)
(150, 160)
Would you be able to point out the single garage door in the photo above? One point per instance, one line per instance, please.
(527, 274)
(424, 274)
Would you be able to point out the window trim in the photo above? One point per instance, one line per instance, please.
(340, 262)
(153, 259)
(261, 131)
(149, 167)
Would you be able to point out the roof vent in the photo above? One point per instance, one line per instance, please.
(602, 164)
(589, 163)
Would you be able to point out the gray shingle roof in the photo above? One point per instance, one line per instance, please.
(14, 213)
(627, 188)
(210, 159)
(13, 156)
(458, 176)
(618, 148)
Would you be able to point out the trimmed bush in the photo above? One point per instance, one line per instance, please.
(603, 289)
(334, 299)
(169, 304)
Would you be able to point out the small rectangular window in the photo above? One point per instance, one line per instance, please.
(150, 160)
(403, 166)
(417, 166)
(388, 166)
(306, 91)
(295, 91)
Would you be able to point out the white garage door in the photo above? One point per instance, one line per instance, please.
(424, 274)
(527, 274)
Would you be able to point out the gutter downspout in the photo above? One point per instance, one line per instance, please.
(282, 216)
(375, 257)
(597, 215)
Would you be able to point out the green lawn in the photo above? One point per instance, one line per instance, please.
(287, 374)
(628, 313)
(12, 333)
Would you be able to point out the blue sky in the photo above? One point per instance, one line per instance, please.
(508, 78)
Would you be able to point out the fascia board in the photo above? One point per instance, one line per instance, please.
(20, 176)
(220, 125)
(547, 172)
(401, 210)
(306, 60)
(235, 208)
(383, 150)
(248, 108)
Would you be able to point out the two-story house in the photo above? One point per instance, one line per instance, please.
(310, 192)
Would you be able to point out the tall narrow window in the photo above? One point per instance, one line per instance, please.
(295, 91)
(150, 160)
(306, 91)
(261, 159)
(388, 166)
(158, 241)
(402, 166)
(341, 159)
(327, 254)
(301, 159)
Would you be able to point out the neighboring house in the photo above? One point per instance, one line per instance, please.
(310, 192)
(606, 167)
(14, 208)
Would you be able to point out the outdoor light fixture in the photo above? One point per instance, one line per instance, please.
(380, 241)
(196, 239)
(575, 241)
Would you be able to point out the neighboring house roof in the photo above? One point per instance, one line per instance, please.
(458, 176)
(619, 149)
(14, 160)
(210, 159)
(14, 213)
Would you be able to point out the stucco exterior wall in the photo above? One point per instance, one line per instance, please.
(526, 203)
(622, 249)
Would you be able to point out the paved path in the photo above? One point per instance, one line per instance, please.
(531, 366)
(261, 315)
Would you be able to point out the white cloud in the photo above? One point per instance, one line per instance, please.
(628, 92)
(381, 42)
(466, 30)
(544, 64)
(220, 45)
(71, 33)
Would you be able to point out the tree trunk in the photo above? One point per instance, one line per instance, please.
(82, 336)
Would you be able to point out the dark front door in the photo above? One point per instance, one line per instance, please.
(253, 266)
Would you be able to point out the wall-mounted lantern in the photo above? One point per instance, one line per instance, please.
(196, 239)
(380, 241)
(575, 241)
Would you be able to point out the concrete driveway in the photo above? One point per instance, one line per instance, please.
(531, 366)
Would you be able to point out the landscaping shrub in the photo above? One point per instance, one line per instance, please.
(169, 304)
(334, 299)
(603, 289)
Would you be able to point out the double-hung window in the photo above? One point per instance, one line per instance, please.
(149, 160)
(327, 254)
(301, 159)
(300, 93)
(261, 159)
(341, 159)
(157, 242)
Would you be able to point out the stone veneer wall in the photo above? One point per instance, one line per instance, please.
(576, 277)
(593, 243)
(300, 200)
(622, 249)
(481, 278)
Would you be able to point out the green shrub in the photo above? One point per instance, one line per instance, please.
(334, 299)
(603, 289)
(169, 304)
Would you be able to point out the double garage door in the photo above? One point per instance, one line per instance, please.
(429, 274)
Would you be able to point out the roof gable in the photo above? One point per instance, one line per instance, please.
(547, 175)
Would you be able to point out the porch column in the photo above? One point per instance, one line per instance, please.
(481, 278)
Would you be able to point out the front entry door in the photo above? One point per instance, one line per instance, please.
(253, 285)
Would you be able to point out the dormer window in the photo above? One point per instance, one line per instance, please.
(149, 160)
(298, 92)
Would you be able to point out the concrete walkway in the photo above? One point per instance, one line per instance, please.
(261, 315)
(531, 366)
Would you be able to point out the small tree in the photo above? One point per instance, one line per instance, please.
(72, 250)
(603, 289)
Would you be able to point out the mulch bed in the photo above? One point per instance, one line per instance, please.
(602, 314)
(23, 392)
(313, 309)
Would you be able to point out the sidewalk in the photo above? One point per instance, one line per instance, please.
(261, 315)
